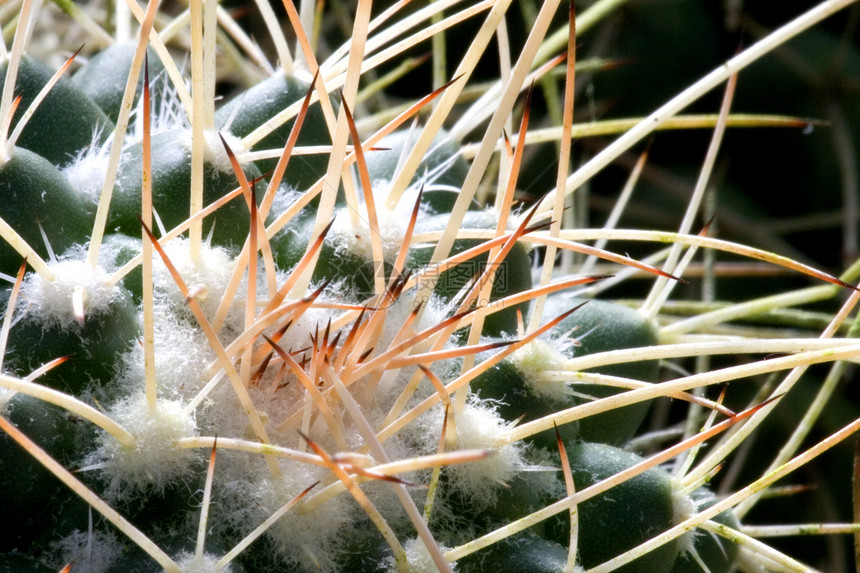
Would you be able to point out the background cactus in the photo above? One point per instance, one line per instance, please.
(423, 364)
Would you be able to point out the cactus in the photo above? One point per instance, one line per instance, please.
(274, 317)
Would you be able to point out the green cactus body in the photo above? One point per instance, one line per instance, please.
(93, 348)
(345, 255)
(124, 248)
(341, 432)
(32, 496)
(440, 175)
(103, 78)
(65, 123)
(600, 326)
(442, 166)
(171, 190)
(349, 268)
(512, 276)
(252, 108)
(520, 398)
(524, 552)
(624, 516)
(36, 193)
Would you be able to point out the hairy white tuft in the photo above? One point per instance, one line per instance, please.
(154, 461)
(87, 172)
(191, 563)
(284, 197)
(182, 353)
(480, 427)
(534, 358)
(685, 506)
(52, 301)
(419, 558)
(208, 275)
(94, 551)
(303, 539)
(353, 233)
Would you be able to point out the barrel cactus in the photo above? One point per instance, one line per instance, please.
(268, 310)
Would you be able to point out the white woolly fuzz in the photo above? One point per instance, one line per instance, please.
(353, 233)
(182, 353)
(419, 558)
(480, 427)
(190, 563)
(94, 551)
(284, 197)
(534, 358)
(207, 275)
(684, 507)
(154, 461)
(301, 537)
(214, 153)
(5, 396)
(53, 302)
(355, 236)
(87, 172)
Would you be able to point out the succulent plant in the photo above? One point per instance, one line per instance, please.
(265, 312)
